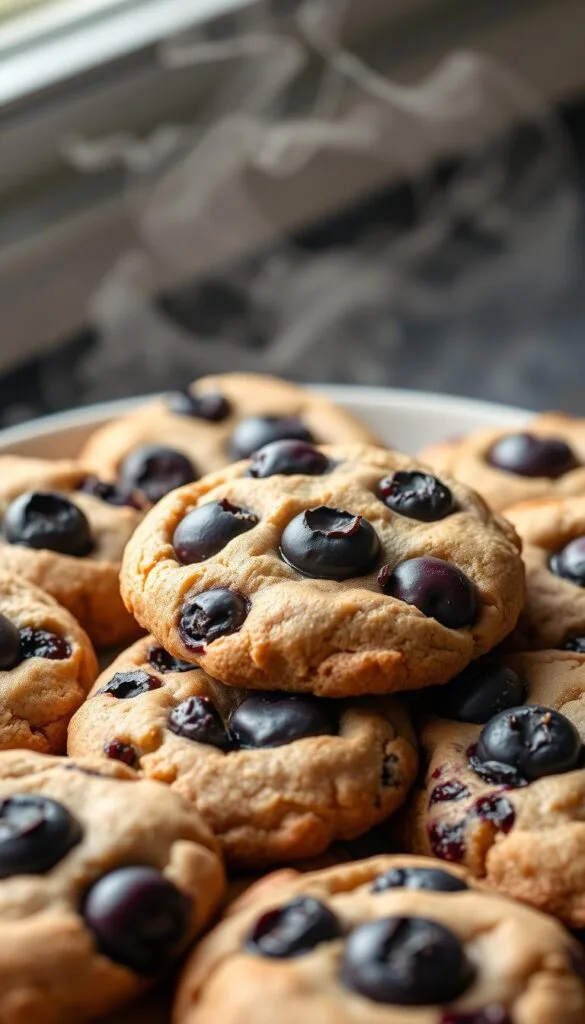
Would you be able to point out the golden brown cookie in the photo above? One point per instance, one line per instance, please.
(105, 879)
(504, 791)
(545, 458)
(359, 574)
(47, 666)
(65, 532)
(384, 941)
(276, 776)
(215, 420)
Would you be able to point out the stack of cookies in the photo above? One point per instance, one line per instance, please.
(340, 698)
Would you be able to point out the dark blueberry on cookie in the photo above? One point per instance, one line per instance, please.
(574, 643)
(207, 529)
(256, 431)
(532, 740)
(125, 685)
(155, 471)
(10, 653)
(196, 719)
(409, 961)
(294, 929)
(42, 643)
(417, 495)
(116, 750)
(211, 406)
(35, 834)
(437, 588)
(137, 917)
(210, 615)
(569, 563)
(41, 519)
(113, 494)
(481, 691)
(286, 458)
(330, 544)
(164, 662)
(433, 879)
(527, 455)
(274, 719)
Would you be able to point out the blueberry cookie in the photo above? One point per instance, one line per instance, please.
(339, 571)
(276, 776)
(65, 531)
(174, 440)
(383, 941)
(47, 666)
(504, 791)
(104, 878)
(545, 458)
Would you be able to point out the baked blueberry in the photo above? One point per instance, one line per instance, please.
(274, 719)
(207, 529)
(569, 563)
(137, 917)
(434, 586)
(210, 615)
(125, 685)
(155, 471)
(433, 879)
(417, 495)
(10, 653)
(211, 406)
(196, 719)
(481, 691)
(35, 834)
(164, 662)
(256, 431)
(294, 929)
(287, 458)
(42, 643)
(124, 752)
(532, 740)
(574, 643)
(330, 544)
(113, 494)
(409, 961)
(527, 455)
(41, 519)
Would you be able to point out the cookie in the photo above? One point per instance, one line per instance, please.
(65, 531)
(384, 941)
(173, 440)
(47, 666)
(104, 879)
(276, 776)
(504, 791)
(545, 458)
(553, 535)
(338, 571)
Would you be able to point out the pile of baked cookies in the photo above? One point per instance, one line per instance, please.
(337, 772)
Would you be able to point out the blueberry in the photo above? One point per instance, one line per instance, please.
(164, 662)
(42, 643)
(113, 494)
(207, 529)
(256, 431)
(527, 455)
(35, 834)
(433, 879)
(126, 685)
(294, 929)
(481, 691)
(210, 615)
(274, 719)
(196, 719)
(569, 563)
(155, 471)
(532, 740)
(41, 519)
(417, 495)
(330, 544)
(574, 643)
(287, 458)
(437, 588)
(10, 652)
(211, 406)
(118, 751)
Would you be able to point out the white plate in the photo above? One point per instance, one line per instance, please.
(406, 420)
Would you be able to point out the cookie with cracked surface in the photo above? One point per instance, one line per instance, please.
(504, 791)
(214, 421)
(544, 458)
(47, 666)
(362, 574)
(276, 776)
(65, 531)
(383, 940)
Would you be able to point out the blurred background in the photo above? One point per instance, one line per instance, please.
(368, 191)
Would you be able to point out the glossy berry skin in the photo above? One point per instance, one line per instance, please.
(156, 470)
(138, 918)
(164, 662)
(210, 615)
(527, 455)
(42, 643)
(196, 719)
(437, 588)
(330, 544)
(10, 653)
(569, 563)
(417, 495)
(41, 519)
(35, 834)
(211, 406)
(274, 719)
(127, 685)
(113, 494)
(532, 740)
(207, 529)
(293, 929)
(406, 961)
(431, 879)
(574, 643)
(256, 431)
(481, 691)
(287, 458)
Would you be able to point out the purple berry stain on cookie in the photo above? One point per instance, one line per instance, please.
(164, 662)
(126, 685)
(288, 458)
(42, 643)
(438, 589)
(447, 840)
(197, 719)
(330, 544)
(257, 431)
(293, 929)
(569, 563)
(42, 519)
(495, 808)
(207, 529)
(35, 834)
(493, 1014)
(447, 791)
(431, 879)
(116, 750)
(10, 652)
(111, 493)
(211, 405)
(156, 470)
(417, 495)
(213, 614)
(526, 743)
(275, 719)
(527, 455)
